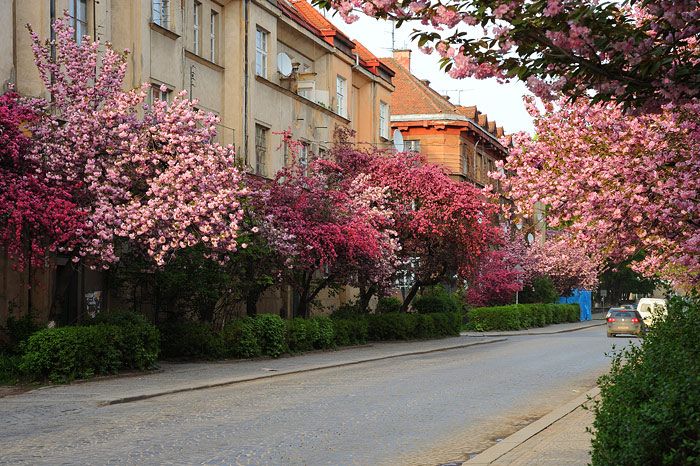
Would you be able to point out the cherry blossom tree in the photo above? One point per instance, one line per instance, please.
(641, 52)
(568, 263)
(325, 228)
(148, 174)
(444, 227)
(37, 216)
(502, 272)
(624, 185)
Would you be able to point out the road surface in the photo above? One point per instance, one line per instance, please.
(422, 409)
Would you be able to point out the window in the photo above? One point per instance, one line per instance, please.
(160, 12)
(411, 145)
(341, 90)
(304, 156)
(384, 120)
(77, 11)
(196, 26)
(261, 150)
(160, 92)
(463, 158)
(261, 37)
(213, 30)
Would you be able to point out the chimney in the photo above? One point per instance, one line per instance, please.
(403, 56)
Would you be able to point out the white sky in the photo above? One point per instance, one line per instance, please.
(501, 102)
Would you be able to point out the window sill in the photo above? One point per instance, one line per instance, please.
(199, 59)
(163, 30)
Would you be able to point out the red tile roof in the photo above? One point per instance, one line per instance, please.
(415, 96)
(317, 20)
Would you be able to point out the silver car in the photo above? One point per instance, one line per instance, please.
(625, 322)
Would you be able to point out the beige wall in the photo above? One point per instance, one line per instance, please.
(7, 39)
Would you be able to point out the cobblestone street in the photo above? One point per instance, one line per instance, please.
(421, 409)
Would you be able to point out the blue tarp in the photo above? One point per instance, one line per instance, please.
(583, 298)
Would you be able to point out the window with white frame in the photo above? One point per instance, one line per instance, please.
(77, 12)
(213, 32)
(261, 138)
(197, 27)
(384, 119)
(411, 145)
(261, 40)
(341, 95)
(160, 92)
(160, 12)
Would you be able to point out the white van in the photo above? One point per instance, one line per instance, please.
(649, 308)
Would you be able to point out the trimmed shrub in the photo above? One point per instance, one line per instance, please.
(326, 333)
(140, 342)
(387, 304)
(190, 340)
(349, 332)
(649, 408)
(347, 311)
(67, 353)
(437, 299)
(405, 326)
(270, 330)
(521, 316)
(301, 334)
(240, 339)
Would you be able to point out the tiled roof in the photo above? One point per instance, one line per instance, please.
(318, 21)
(414, 96)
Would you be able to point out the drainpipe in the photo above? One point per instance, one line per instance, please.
(475, 146)
(246, 84)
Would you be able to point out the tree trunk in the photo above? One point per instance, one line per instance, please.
(251, 303)
(409, 297)
(302, 308)
(366, 294)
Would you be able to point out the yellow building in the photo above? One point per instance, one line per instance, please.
(263, 67)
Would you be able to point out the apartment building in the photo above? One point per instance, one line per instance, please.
(461, 139)
(264, 67)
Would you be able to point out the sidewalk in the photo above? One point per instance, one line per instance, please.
(549, 330)
(175, 378)
(559, 438)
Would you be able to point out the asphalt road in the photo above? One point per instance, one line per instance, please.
(423, 409)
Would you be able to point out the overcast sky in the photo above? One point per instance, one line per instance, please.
(501, 102)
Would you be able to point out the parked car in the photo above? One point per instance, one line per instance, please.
(625, 322)
(651, 308)
(623, 307)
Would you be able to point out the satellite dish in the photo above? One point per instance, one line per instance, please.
(284, 64)
(398, 140)
(530, 238)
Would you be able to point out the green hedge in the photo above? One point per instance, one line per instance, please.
(66, 353)
(649, 408)
(194, 340)
(309, 334)
(437, 299)
(521, 316)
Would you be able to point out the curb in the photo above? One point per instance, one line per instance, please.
(145, 396)
(490, 455)
(515, 334)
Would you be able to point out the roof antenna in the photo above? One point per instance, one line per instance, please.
(393, 35)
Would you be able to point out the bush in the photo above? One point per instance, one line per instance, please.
(301, 334)
(326, 333)
(437, 299)
(240, 339)
(270, 331)
(67, 353)
(190, 340)
(520, 316)
(140, 342)
(9, 368)
(349, 332)
(540, 290)
(388, 304)
(347, 311)
(19, 330)
(649, 408)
